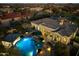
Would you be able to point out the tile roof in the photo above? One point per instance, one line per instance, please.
(11, 37)
(66, 29)
(14, 15)
(47, 22)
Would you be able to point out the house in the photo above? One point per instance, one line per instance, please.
(36, 9)
(11, 16)
(7, 17)
(49, 11)
(58, 30)
(9, 39)
(15, 15)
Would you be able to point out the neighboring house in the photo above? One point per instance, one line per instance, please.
(15, 16)
(6, 9)
(36, 9)
(5, 23)
(60, 30)
(9, 39)
(7, 17)
(48, 10)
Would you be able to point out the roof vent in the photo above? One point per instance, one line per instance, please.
(61, 22)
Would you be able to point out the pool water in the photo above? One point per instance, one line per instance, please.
(27, 46)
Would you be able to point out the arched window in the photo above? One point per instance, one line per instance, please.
(58, 38)
(64, 40)
(55, 39)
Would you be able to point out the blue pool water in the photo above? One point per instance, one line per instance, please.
(27, 46)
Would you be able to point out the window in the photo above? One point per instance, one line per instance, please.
(55, 39)
(38, 28)
(64, 39)
(58, 38)
(50, 35)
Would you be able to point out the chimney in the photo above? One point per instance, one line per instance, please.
(62, 20)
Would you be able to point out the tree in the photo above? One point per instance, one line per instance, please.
(60, 49)
(0, 22)
(17, 9)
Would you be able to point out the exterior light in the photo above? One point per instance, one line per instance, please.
(49, 49)
(41, 52)
(43, 41)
